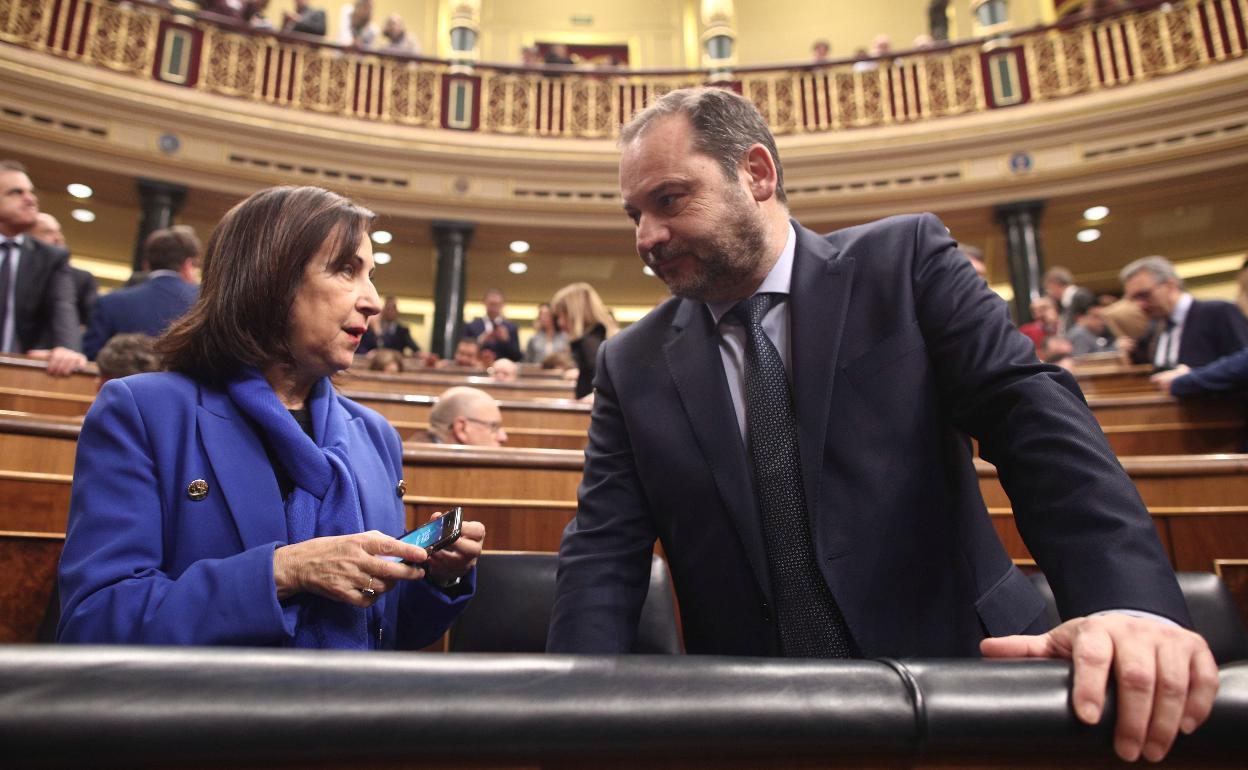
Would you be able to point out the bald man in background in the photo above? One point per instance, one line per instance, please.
(86, 289)
(467, 416)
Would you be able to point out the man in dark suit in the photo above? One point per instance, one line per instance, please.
(394, 334)
(37, 312)
(1071, 300)
(172, 257)
(1181, 329)
(842, 515)
(492, 331)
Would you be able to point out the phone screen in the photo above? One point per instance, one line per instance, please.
(430, 533)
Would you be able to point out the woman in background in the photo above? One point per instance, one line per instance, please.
(547, 337)
(579, 311)
(237, 499)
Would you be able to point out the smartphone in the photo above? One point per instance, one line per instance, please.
(438, 533)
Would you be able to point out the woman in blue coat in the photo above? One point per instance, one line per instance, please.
(237, 499)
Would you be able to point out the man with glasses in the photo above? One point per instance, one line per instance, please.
(468, 416)
(1181, 329)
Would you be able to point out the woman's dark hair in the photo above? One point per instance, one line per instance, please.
(252, 270)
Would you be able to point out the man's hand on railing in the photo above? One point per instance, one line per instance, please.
(1166, 676)
(62, 362)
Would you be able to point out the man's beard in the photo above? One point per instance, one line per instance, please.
(724, 260)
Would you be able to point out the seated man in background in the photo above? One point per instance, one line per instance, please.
(467, 353)
(86, 288)
(468, 416)
(126, 354)
(171, 257)
(1181, 329)
(1089, 334)
(1044, 323)
(41, 320)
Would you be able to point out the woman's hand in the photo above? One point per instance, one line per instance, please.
(454, 561)
(343, 566)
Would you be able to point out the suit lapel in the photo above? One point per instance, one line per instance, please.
(818, 300)
(242, 469)
(693, 358)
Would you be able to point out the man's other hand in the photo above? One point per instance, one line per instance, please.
(1166, 676)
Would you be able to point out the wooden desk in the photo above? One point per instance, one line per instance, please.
(433, 384)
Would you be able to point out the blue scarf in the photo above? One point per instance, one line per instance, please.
(324, 502)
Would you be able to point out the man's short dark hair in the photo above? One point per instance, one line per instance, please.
(12, 165)
(127, 354)
(725, 125)
(167, 249)
(253, 268)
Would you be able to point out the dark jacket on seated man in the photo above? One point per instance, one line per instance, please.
(150, 307)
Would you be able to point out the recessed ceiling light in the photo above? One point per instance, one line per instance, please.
(80, 190)
(520, 247)
(383, 237)
(648, 271)
(518, 268)
(1096, 213)
(381, 258)
(83, 215)
(1087, 236)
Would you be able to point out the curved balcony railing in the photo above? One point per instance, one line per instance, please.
(1040, 64)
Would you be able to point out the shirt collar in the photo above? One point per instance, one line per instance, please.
(19, 239)
(778, 281)
(1179, 314)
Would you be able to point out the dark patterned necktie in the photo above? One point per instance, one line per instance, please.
(811, 625)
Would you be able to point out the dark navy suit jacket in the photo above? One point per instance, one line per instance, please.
(148, 308)
(45, 306)
(898, 350)
(146, 564)
(509, 349)
(1211, 330)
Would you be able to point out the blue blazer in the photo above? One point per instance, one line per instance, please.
(148, 308)
(898, 350)
(144, 563)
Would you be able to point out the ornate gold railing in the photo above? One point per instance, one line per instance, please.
(206, 53)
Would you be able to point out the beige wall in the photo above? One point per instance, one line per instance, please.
(654, 30)
(664, 33)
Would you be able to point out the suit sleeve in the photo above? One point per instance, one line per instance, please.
(64, 330)
(99, 331)
(113, 583)
(604, 559)
(1226, 374)
(1078, 511)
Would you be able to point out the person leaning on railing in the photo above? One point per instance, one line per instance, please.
(237, 499)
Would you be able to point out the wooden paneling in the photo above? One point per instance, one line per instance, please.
(29, 560)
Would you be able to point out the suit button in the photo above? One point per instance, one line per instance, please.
(766, 608)
(197, 490)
